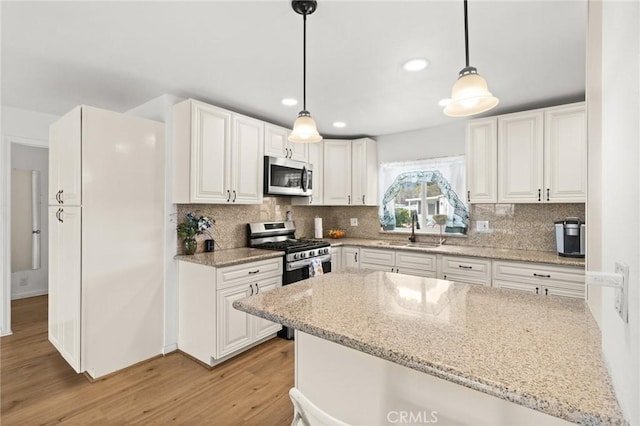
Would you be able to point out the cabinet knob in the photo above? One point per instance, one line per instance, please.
(537, 290)
(546, 291)
(445, 276)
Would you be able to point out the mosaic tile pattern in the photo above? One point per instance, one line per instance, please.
(539, 352)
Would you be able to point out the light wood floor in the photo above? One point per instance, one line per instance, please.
(38, 387)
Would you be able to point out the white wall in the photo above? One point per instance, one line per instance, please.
(22, 127)
(161, 109)
(27, 283)
(432, 142)
(619, 194)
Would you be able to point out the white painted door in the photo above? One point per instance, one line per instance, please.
(210, 154)
(65, 282)
(275, 141)
(520, 157)
(364, 172)
(565, 154)
(263, 327)
(65, 141)
(350, 257)
(247, 160)
(337, 179)
(235, 328)
(482, 161)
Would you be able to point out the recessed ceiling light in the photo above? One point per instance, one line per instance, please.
(339, 124)
(289, 102)
(444, 102)
(415, 64)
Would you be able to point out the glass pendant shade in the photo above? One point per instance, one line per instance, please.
(470, 95)
(304, 129)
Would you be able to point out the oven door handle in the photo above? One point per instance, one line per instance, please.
(304, 263)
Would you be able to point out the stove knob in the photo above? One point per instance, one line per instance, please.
(312, 253)
(303, 255)
(325, 251)
(295, 256)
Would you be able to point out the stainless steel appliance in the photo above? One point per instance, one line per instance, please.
(570, 237)
(300, 254)
(287, 177)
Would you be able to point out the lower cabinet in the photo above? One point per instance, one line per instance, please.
(336, 259)
(209, 328)
(398, 261)
(468, 270)
(350, 257)
(540, 279)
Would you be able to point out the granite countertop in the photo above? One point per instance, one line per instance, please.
(229, 257)
(485, 252)
(539, 352)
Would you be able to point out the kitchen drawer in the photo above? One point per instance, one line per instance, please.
(380, 258)
(539, 278)
(466, 279)
(230, 276)
(467, 267)
(416, 272)
(406, 260)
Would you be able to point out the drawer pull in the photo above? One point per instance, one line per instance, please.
(541, 275)
(465, 267)
(539, 194)
(254, 272)
(251, 287)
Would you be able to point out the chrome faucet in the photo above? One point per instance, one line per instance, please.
(414, 218)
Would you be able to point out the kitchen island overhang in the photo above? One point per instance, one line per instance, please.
(540, 353)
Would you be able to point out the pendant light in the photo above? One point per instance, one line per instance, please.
(304, 128)
(470, 94)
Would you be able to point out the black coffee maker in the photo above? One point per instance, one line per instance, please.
(570, 237)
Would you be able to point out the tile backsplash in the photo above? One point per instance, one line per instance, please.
(512, 226)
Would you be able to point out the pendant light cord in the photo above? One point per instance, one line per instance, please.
(304, 62)
(466, 34)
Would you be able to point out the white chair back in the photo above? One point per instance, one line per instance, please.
(306, 413)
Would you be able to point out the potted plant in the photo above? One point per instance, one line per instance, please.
(191, 227)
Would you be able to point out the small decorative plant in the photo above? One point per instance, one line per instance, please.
(191, 227)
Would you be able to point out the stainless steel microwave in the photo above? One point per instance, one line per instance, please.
(287, 177)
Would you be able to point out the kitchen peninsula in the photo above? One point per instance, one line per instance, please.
(370, 345)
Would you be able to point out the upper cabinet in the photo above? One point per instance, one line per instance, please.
(276, 144)
(315, 157)
(350, 172)
(65, 158)
(528, 157)
(217, 155)
(482, 161)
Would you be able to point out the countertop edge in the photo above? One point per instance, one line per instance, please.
(208, 259)
(552, 408)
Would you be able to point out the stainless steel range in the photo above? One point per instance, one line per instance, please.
(300, 254)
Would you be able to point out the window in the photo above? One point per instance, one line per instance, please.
(427, 191)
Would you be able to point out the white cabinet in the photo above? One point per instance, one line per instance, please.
(398, 261)
(217, 155)
(65, 305)
(565, 154)
(336, 259)
(277, 144)
(482, 160)
(350, 257)
(315, 157)
(542, 155)
(520, 157)
(364, 172)
(106, 264)
(350, 172)
(468, 270)
(337, 179)
(65, 160)
(539, 278)
(209, 328)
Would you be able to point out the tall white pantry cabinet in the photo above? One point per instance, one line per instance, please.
(106, 190)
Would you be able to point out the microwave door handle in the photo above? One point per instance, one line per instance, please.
(303, 180)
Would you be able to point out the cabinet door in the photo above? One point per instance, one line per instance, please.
(406, 260)
(235, 328)
(210, 154)
(65, 141)
(65, 282)
(364, 172)
(263, 327)
(520, 157)
(275, 141)
(565, 154)
(482, 161)
(337, 176)
(247, 160)
(316, 158)
(350, 257)
(336, 259)
(383, 258)
(298, 151)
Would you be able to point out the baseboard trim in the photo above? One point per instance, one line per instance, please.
(34, 293)
(169, 348)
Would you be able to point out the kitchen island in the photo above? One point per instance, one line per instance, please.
(378, 347)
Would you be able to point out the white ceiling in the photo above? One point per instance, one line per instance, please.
(247, 56)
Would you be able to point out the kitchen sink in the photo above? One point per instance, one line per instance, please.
(407, 244)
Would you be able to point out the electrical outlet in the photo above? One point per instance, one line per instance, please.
(482, 226)
(354, 221)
